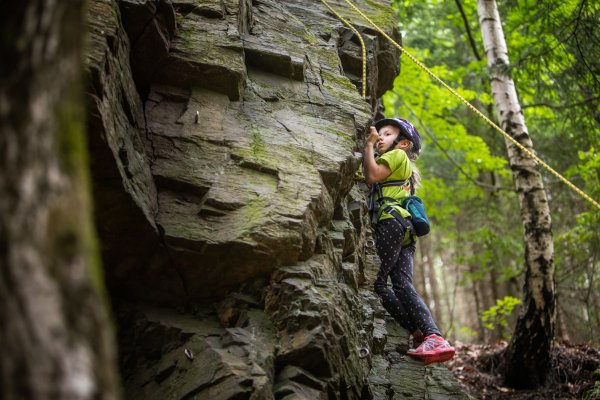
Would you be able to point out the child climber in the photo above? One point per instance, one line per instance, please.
(399, 144)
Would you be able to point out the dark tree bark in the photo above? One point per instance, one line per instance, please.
(468, 29)
(55, 332)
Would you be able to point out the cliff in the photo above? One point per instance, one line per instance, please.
(223, 139)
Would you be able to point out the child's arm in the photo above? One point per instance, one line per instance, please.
(373, 172)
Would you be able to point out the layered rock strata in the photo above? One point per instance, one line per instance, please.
(223, 138)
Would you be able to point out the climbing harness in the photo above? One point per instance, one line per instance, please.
(462, 99)
(377, 201)
(378, 204)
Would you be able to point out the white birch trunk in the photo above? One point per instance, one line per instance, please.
(526, 362)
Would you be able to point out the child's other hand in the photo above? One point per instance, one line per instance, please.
(373, 136)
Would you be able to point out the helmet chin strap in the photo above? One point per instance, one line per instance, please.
(394, 143)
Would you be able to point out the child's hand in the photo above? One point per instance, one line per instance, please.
(373, 136)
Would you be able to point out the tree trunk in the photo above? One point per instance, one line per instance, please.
(593, 303)
(433, 281)
(477, 304)
(526, 361)
(495, 295)
(563, 326)
(447, 312)
(55, 332)
(420, 279)
(487, 302)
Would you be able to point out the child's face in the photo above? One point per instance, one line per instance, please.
(387, 135)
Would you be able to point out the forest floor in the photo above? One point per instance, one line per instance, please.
(573, 373)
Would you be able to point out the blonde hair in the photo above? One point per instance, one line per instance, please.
(416, 174)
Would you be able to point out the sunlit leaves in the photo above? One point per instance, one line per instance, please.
(498, 314)
(438, 115)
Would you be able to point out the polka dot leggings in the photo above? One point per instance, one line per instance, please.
(403, 302)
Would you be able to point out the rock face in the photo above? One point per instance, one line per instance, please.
(223, 138)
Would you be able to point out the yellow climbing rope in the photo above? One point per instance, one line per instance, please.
(362, 46)
(475, 110)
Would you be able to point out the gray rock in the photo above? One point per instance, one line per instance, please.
(181, 356)
(123, 187)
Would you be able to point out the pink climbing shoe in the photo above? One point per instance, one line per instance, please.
(433, 349)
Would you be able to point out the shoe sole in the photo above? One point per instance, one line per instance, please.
(441, 356)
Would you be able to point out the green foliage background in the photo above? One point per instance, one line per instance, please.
(554, 49)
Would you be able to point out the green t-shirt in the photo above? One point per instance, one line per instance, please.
(397, 160)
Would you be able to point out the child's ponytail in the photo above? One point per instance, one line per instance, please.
(416, 174)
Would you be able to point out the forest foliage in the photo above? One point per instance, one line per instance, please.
(476, 248)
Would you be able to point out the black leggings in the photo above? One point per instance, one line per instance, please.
(403, 303)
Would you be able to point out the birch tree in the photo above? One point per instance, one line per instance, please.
(55, 334)
(527, 359)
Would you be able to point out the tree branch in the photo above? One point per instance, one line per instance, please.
(561, 106)
(469, 35)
